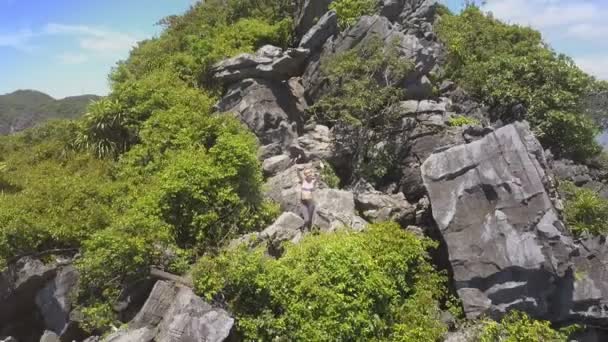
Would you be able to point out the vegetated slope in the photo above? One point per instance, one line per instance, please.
(25, 108)
(154, 176)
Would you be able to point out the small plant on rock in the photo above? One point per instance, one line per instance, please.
(460, 120)
(585, 210)
(519, 327)
(349, 11)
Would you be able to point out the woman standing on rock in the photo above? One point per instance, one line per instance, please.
(308, 182)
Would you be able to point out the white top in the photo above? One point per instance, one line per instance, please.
(307, 189)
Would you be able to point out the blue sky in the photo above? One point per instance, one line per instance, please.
(67, 47)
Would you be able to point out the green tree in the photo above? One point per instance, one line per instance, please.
(505, 65)
(376, 285)
(363, 87)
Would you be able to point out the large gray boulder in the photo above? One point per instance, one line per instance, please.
(270, 109)
(569, 171)
(55, 300)
(49, 336)
(173, 313)
(19, 284)
(307, 14)
(317, 143)
(422, 55)
(269, 62)
(326, 27)
(493, 202)
(335, 209)
(490, 204)
(376, 206)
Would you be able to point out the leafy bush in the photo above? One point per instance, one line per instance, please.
(505, 65)
(518, 327)
(359, 100)
(349, 11)
(362, 83)
(329, 177)
(460, 120)
(585, 210)
(55, 198)
(345, 286)
(570, 134)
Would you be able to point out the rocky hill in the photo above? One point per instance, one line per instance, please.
(25, 108)
(460, 193)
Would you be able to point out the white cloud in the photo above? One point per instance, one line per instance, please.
(596, 65)
(544, 13)
(89, 39)
(95, 39)
(17, 40)
(587, 31)
(72, 58)
(578, 27)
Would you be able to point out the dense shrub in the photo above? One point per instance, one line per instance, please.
(505, 65)
(518, 327)
(51, 198)
(363, 87)
(585, 210)
(349, 11)
(570, 134)
(375, 285)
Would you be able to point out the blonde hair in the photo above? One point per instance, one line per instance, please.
(308, 172)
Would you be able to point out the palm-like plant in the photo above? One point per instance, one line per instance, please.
(105, 129)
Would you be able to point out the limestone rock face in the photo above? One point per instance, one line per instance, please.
(376, 206)
(23, 279)
(307, 13)
(269, 62)
(173, 313)
(492, 202)
(55, 300)
(285, 228)
(326, 27)
(269, 108)
(334, 208)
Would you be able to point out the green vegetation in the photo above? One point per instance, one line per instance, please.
(25, 108)
(329, 177)
(518, 327)
(149, 176)
(504, 65)
(460, 120)
(349, 11)
(361, 94)
(362, 85)
(585, 210)
(378, 285)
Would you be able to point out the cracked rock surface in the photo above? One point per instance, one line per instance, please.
(507, 247)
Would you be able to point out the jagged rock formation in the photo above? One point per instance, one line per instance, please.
(269, 62)
(335, 208)
(490, 190)
(35, 297)
(492, 202)
(175, 313)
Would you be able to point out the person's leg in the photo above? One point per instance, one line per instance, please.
(311, 212)
(305, 213)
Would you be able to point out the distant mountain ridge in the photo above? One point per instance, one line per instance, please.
(25, 108)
